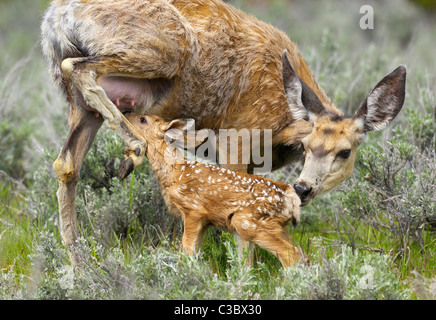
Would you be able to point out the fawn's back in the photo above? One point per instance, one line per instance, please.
(221, 193)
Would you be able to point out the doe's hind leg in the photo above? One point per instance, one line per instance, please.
(83, 72)
(84, 127)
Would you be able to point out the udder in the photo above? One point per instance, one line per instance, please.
(132, 94)
(125, 92)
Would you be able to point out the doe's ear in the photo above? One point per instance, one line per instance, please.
(301, 98)
(384, 102)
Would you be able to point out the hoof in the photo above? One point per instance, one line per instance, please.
(125, 168)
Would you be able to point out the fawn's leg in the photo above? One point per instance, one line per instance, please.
(272, 238)
(194, 228)
(280, 246)
(84, 126)
(243, 245)
(227, 160)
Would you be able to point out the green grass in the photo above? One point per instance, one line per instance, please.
(131, 245)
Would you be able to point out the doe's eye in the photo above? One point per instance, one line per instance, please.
(344, 154)
(143, 120)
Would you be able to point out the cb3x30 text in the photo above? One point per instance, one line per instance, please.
(224, 309)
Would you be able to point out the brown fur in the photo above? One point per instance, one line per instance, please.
(200, 59)
(256, 208)
(232, 57)
(219, 66)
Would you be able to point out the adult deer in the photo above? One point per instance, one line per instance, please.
(200, 59)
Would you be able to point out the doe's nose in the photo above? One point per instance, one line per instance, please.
(302, 190)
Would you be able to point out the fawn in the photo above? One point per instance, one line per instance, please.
(256, 208)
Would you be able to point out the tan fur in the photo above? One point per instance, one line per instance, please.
(200, 59)
(232, 57)
(222, 68)
(322, 168)
(256, 208)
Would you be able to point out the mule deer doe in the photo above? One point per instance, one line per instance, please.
(200, 59)
(256, 208)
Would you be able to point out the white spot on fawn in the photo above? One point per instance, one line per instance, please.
(245, 224)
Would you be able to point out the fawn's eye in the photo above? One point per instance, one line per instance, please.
(344, 154)
(143, 120)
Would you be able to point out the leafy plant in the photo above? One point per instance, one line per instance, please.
(395, 188)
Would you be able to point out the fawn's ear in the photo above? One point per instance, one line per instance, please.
(178, 128)
(178, 125)
(183, 130)
(302, 100)
(383, 102)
